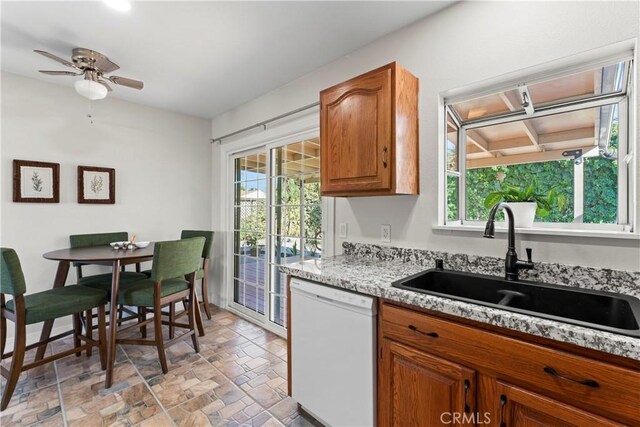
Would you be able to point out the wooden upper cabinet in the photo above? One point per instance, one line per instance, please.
(369, 134)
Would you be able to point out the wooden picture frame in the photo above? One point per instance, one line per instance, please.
(96, 185)
(36, 182)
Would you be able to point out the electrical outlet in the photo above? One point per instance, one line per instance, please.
(343, 230)
(385, 233)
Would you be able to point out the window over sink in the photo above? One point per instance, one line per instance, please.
(563, 134)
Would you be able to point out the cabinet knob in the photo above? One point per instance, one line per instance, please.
(384, 156)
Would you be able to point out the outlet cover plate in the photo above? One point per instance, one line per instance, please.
(385, 233)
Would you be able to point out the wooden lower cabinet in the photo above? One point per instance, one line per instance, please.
(438, 372)
(445, 388)
(523, 408)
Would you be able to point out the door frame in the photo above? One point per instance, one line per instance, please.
(292, 131)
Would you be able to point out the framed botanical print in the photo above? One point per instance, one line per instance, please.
(96, 185)
(36, 182)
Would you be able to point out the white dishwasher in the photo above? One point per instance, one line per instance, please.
(333, 354)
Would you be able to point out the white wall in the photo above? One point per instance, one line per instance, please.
(464, 44)
(162, 162)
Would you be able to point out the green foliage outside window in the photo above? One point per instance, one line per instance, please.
(600, 187)
(600, 190)
(452, 198)
(557, 174)
(287, 214)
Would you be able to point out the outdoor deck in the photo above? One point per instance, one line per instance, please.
(250, 292)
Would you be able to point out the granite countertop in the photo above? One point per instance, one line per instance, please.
(374, 277)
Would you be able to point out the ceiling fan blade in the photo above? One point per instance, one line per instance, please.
(60, 73)
(55, 58)
(106, 66)
(123, 81)
(103, 83)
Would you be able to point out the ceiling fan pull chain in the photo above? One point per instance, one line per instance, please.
(90, 114)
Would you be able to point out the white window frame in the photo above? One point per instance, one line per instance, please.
(292, 131)
(627, 173)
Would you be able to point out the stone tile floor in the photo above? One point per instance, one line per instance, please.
(238, 378)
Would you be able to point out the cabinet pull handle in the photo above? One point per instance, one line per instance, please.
(589, 383)
(428, 334)
(467, 385)
(503, 402)
(384, 157)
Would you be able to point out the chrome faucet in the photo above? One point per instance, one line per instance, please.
(511, 263)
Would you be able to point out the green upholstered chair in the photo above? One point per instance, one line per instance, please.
(175, 264)
(34, 308)
(202, 274)
(102, 281)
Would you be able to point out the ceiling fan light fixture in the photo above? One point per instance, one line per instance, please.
(119, 5)
(90, 89)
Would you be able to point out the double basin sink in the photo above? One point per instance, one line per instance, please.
(601, 310)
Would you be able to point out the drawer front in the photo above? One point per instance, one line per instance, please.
(607, 389)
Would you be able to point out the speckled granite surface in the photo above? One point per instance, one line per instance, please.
(624, 282)
(370, 270)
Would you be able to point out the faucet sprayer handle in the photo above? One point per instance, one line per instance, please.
(529, 252)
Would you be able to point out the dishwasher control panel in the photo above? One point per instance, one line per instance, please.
(338, 295)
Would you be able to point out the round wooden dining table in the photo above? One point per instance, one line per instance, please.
(99, 255)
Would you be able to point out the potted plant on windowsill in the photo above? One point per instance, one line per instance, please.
(526, 203)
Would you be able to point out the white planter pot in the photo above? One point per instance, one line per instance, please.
(523, 213)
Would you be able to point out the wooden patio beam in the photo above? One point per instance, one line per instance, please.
(531, 132)
(479, 141)
(544, 156)
(579, 137)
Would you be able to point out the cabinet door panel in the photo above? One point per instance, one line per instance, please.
(417, 389)
(523, 408)
(352, 141)
(356, 134)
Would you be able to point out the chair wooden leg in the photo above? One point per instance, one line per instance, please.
(89, 328)
(3, 335)
(157, 326)
(172, 319)
(19, 345)
(198, 315)
(102, 336)
(142, 316)
(120, 314)
(205, 297)
(77, 331)
(192, 307)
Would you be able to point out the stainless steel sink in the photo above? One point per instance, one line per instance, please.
(606, 311)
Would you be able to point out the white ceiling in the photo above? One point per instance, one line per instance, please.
(199, 58)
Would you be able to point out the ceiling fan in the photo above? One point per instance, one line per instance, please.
(93, 66)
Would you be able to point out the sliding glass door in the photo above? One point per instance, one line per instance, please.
(277, 220)
(250, 231)
(296, 216)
